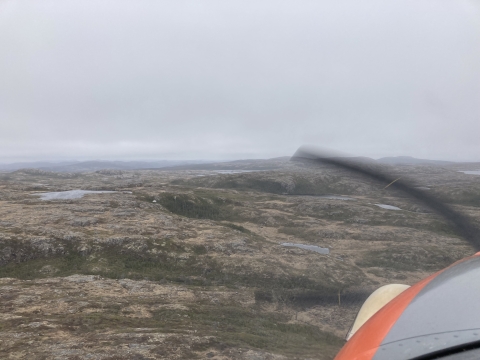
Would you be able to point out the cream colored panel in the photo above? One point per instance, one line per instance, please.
(378, 299)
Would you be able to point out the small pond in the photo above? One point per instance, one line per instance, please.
(315, 248)
(471, 172)
(68, 195)
(388, 207)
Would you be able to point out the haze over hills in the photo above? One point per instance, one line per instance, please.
(250, 164)
(270, 164)
(85, 166)
(34, 165)
(409, 160)
(247, 164)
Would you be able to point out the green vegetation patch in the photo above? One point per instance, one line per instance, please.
(169, 262)
(250, 183)
(227, 326)
(309, 236)
(199, 207)
(305, 298)
(413, 258)
(469, 196)
(276, 183)
(242, 327)
(237, 227)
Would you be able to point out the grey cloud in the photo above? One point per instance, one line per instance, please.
(216, 79)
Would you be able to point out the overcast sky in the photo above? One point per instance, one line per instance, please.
(238, 79)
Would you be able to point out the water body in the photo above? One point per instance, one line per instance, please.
(388, 207)
(315, 248)
(471, 172)
(68, 195)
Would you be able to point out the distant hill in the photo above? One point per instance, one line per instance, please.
(85, 166)
(408, 160)
(249, 164)
(34, 165)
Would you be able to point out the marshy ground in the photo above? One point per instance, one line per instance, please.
(185, 264)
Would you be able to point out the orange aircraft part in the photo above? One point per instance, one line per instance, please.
(366, 341)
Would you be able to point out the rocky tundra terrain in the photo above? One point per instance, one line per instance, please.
(188, 262)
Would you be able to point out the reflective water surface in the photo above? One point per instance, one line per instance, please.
(315, 248)
(471, 172)
(388, 207)
(67, 195)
